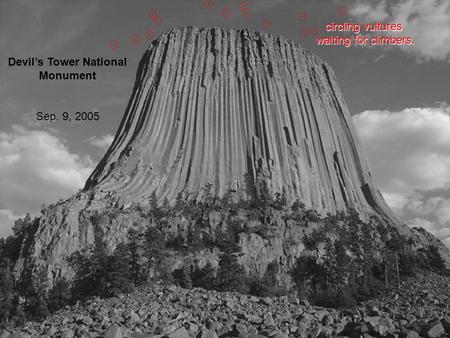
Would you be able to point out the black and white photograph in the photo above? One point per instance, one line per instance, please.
(224, 168)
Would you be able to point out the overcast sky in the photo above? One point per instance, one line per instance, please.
(399, 96)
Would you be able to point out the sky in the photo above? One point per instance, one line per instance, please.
(399, 96)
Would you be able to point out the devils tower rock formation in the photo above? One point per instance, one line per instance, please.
(212, 106)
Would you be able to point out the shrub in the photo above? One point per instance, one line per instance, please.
(280, 199)
(193, 239)
(115, 277)
(138, 263)
(341, 297)
(154, 249)
(36, 307)
(312, 240)
(176, 242)
(102, 275)
(308, 272)
(311, 215)
(231, 275)
(183, 276)
(6, 290)
(435, 261)
(59, 296)
(203, 277)
(407, 264)
(298, 206)
(260, 288)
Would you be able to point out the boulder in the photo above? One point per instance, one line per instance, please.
(114, 331)
(434, 329)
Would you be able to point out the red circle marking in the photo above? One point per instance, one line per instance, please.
(265, 23)
(114, 44)
(149, 35)
(243, 6)
(226, 12)
(208, 3)
(302, 15)
(246, 14)
(154, 16)
(135, 39)
(343, 10)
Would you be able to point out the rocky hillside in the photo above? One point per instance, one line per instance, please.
(266, 235)
(419, 308)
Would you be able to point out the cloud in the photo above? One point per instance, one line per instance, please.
(265, 4)
(409, 151)
(370, 11)
(54, 23)
(426, 21)
(102, 142)
(36, 167)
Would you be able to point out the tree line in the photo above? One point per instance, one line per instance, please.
(345, 260)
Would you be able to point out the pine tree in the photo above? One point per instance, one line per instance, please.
(115, 274)
(180, 202)
(368, 248)
(138, 263)
(353, 218)
(355, 244)
(21, 226)
(308, 274)
(231, 275)
(155, 210)
(298, 211)
(59, 296)
(165, 206)
(298, 206)
(154, 249)
(193, 240)
(209, 198)
(6, 290)
(36, 304)
(435, 260)
(88, 268)
(343, 263)
(264, 198)
(203, 277)
(17, 316)
(153, 201)
(227, 199)
(99, 274)
(394, 246)
(183, 275)
(311, 215)
(187, 279)
(250, 190)
(270, 276)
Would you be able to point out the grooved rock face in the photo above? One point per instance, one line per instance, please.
(211, 105)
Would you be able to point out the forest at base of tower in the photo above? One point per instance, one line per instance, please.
(345, 260)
